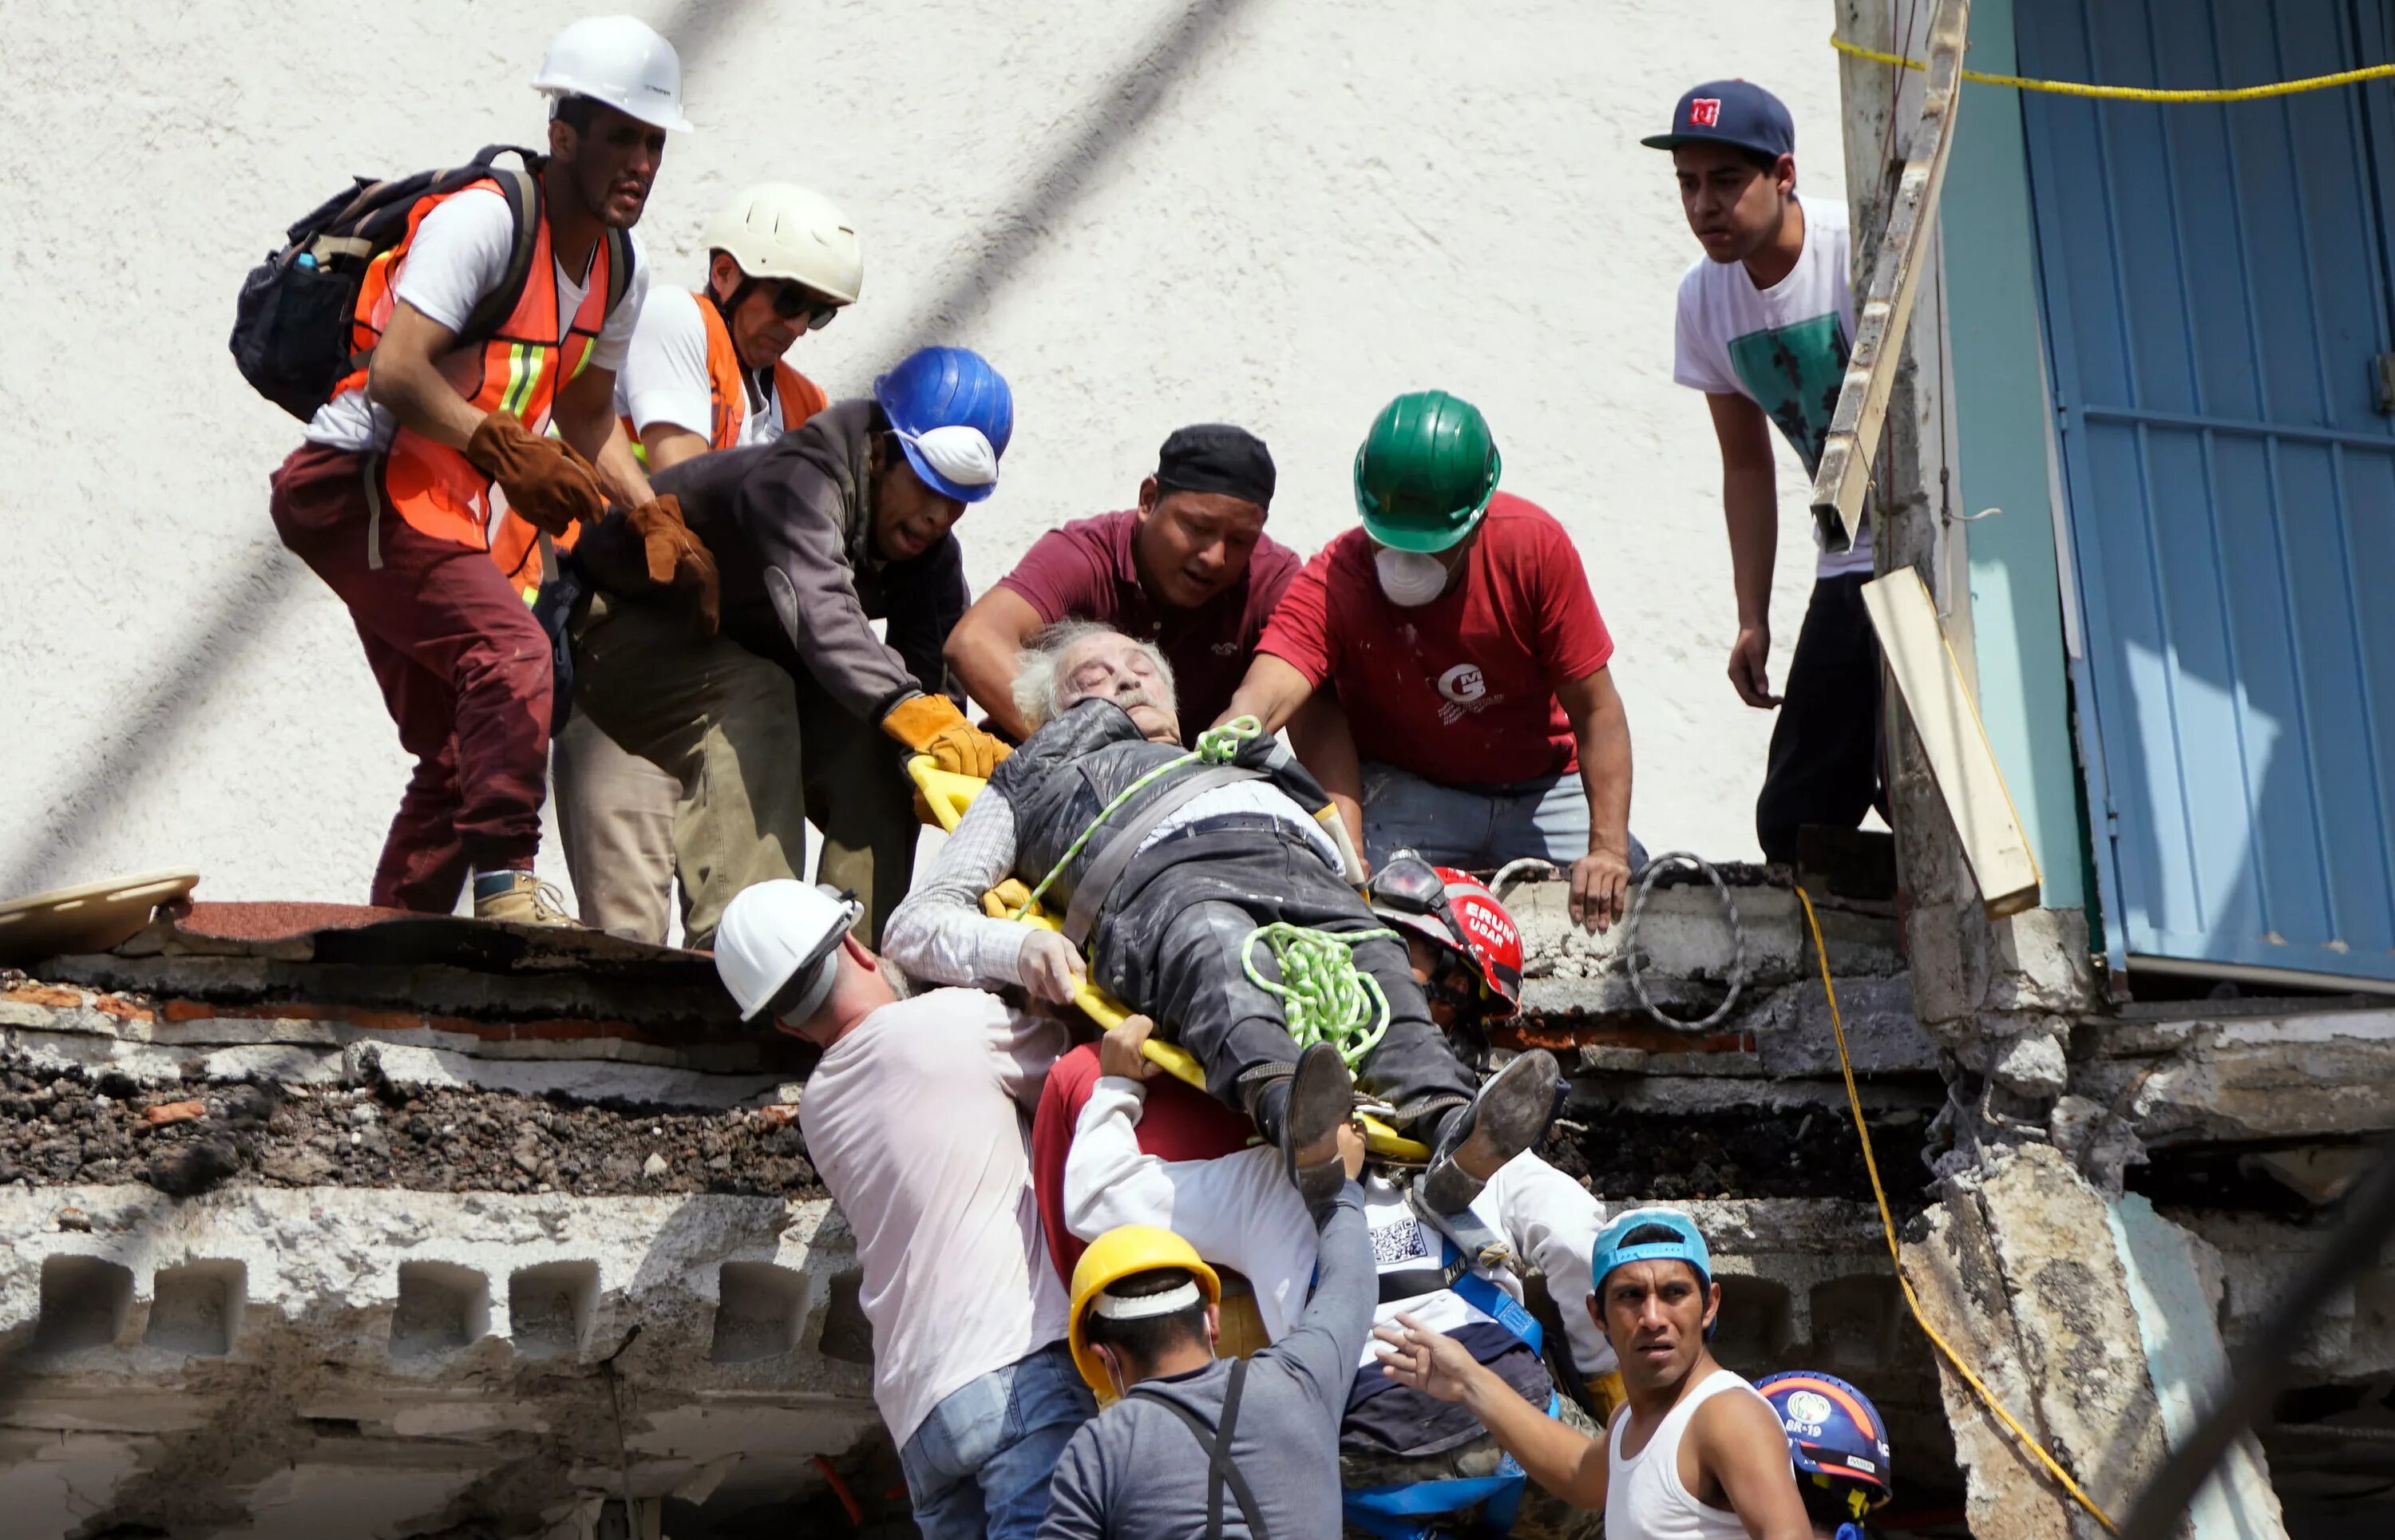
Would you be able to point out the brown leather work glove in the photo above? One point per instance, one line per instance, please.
(546, 480)
(675, 556)
(931, 724)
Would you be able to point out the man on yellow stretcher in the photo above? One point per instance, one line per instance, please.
(1212, 896)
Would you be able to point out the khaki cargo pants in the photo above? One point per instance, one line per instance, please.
(750, 747)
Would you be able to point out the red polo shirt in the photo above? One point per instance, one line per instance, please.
(1461, 691)
(1084, 571)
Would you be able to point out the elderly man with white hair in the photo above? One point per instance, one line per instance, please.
(1175, 870)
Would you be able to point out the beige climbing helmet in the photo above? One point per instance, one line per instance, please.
(778, 231)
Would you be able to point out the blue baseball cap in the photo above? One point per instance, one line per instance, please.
(1736, 112)
(1609, 1252)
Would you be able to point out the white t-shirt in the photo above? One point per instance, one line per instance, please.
(1241, 1211)
(665, 379)
(1783, 347)
(459, 255)
(919, 1121)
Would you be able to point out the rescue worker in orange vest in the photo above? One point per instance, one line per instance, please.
(391, 499)
(707, 371)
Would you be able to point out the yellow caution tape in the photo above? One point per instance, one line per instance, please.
(2134, 93)
(1888, 1226)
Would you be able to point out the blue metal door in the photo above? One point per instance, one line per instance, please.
(2217, 280)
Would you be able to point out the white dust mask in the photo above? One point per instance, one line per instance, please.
(957, 452)
(1408, 577)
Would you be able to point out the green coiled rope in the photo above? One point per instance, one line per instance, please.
(1324, 997)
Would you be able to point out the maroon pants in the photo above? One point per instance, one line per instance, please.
(463, 665)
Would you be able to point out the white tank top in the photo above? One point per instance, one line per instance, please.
(1644, 1499)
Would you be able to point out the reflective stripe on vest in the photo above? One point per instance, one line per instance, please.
(516, 370)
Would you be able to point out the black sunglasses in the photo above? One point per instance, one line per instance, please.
(792, 300)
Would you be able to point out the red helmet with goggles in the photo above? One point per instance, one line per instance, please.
(1459, 914)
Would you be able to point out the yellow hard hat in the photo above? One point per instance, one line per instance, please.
(1125, 1250)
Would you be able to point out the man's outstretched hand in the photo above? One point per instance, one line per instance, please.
(1420, 1359)
(1123, 1052)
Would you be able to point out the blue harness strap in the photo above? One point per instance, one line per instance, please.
(1399, 1511)
(1493, 1302)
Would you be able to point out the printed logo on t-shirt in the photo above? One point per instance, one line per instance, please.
(1463, 691)
(1704, 112)
(1795, 373)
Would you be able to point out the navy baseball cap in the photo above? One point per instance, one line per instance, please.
(1736, 112)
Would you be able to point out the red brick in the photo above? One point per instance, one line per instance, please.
(45, 994)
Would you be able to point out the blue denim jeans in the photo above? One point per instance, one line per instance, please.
(978, 1466)
(1477, 827)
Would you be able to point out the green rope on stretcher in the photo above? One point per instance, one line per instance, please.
(1324, 997)
(1215, 745)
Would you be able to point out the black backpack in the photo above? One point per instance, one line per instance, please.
(291, 332)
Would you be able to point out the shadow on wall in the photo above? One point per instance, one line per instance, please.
(213, 645)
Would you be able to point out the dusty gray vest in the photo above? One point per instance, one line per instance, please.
(1070, 769)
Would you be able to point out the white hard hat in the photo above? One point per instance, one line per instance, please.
(776, 230)
(776, 947)
(619, 60)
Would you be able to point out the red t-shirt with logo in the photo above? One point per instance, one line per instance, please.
(1085, 571)
(1461, 691)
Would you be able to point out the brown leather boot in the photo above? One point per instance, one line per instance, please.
(526, 901)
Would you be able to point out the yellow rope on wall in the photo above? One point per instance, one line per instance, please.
(2132, 93)
(1888, 1226)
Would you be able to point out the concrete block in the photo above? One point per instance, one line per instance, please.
(195, 1309)
(549, 1307)
(1882, 1036)
(85, 1302)
(1756, 1321)
(441, 1308)
(846, 1334)
(1859, 1325)
(2032, 1065)
(758, 1307)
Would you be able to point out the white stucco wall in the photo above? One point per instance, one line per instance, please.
(1280, 213)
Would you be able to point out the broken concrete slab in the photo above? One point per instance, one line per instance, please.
(196, 1363)
(2237, 1078)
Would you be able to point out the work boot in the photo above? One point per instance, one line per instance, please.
(1322, 1097)
(1509, 1116)
(527, 900)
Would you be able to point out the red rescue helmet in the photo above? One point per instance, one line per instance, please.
(1456, 912)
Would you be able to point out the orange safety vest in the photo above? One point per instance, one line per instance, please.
(728, 393)
(517, 369)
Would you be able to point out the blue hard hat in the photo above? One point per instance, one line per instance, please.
(1834, 1433)
(953, 415)
(1609, 1252)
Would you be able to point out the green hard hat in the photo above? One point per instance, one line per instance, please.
(1427, 472)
